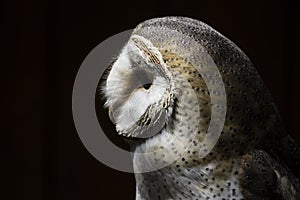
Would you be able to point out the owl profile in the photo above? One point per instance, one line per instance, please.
(198, 118)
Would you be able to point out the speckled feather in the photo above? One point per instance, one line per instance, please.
(254, 158)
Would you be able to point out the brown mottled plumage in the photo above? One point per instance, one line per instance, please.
(253, 158)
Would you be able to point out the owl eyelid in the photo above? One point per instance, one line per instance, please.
(147, 86)
(143, 79)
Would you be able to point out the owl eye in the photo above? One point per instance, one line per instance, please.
(142, 79)
(147, 86)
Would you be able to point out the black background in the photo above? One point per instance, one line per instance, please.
(46, 41)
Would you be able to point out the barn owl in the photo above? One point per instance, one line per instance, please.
(198, 118)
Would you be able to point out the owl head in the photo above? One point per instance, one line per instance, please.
(178, 77)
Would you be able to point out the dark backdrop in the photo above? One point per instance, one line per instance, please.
(46, 41)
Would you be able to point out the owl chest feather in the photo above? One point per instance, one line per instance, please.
(196, 180)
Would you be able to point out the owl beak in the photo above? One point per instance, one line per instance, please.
(111, 117)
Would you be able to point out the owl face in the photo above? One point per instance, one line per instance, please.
(135, 86)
